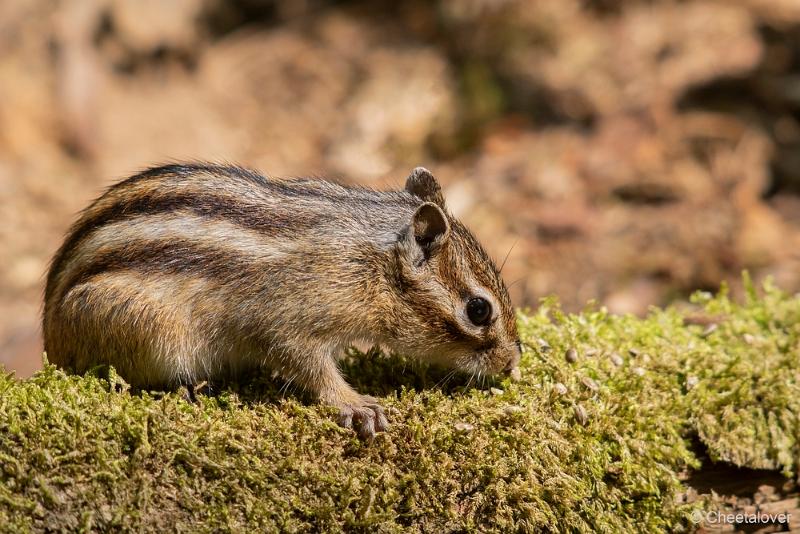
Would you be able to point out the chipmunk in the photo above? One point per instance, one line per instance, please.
(190, 272)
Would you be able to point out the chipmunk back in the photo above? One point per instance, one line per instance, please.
(186, 273)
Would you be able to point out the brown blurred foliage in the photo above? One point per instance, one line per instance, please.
(629, 151)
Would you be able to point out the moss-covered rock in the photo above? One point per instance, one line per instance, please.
(593, 442)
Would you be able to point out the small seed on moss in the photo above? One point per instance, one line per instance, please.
(560, 388)
(464, 428)
(633, 352)
(616, 359)
(691, 382)
(590, 384)
(638, 371)
(544, 346)
(571, 355)
(748, 338)
(495, 391)
(581, 415)
(709, 330)
(512, 410)
(591, 353)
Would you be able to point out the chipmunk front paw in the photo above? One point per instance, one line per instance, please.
(365, 416)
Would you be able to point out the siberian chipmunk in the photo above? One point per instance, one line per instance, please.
(188, 273)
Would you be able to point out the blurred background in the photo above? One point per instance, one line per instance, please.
(627, 151)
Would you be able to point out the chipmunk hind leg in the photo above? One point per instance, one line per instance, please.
(121, 319)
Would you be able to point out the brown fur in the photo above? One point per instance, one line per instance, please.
(186, 273)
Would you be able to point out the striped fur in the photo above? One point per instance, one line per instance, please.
(186, 273)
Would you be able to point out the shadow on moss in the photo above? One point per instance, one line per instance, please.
(370, 373)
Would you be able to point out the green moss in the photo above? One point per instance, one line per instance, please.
(84, 453)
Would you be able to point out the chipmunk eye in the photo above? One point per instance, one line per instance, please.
(479, 311)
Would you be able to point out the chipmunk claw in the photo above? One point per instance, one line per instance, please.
(366, 417)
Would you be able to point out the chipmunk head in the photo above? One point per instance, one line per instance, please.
(454, 307)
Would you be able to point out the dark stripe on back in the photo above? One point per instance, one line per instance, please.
(168, 257)
(188, 169)
(291, 187)
(248, 216)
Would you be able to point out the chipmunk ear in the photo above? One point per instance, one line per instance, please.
(430, 227)
(421, 183)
